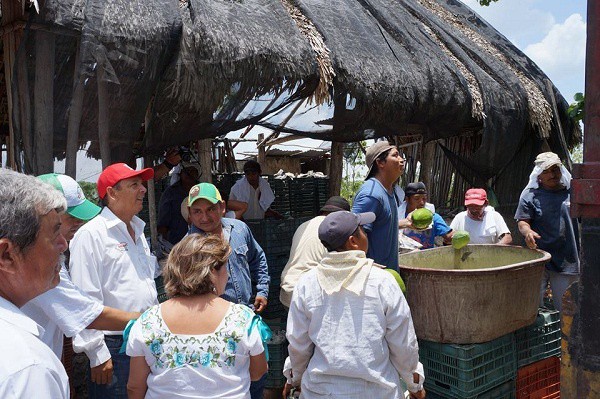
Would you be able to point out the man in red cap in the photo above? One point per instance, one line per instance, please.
(112, 262)
(481, 221)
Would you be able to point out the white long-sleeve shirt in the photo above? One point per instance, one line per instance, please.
(28, 368)
(64, 309)
(110, 266)
(352, 346)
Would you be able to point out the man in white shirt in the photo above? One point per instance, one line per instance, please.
(482, 222)
(30, 250)
(251, 196)
(349, 329)
(111, 261)
(65, 309)
(307, 250)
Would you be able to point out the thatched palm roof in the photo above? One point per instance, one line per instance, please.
(385, 67)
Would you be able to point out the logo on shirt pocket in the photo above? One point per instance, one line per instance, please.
(122, 246)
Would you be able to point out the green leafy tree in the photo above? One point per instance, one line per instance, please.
(354, 170)
(90, 191)
(486, 2)
(577, 109)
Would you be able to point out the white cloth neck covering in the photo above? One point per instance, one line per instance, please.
(347, 269)
(266, 193)
(565, 178)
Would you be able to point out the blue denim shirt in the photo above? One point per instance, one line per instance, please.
(247, 261)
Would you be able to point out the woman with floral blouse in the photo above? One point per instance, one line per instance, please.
(195, 345)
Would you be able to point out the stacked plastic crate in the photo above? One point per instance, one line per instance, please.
(275, 238)
(538, 351)
(281, 189)
(484, 371)
(278, 352)
(521, 365)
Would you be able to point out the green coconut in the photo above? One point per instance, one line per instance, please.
(422, 218)
(398, 279)
(460, 239)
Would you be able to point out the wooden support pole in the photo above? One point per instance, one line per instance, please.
(205, 158)
(336, 167)
(43, 140)
(427, 160)
(148, 163)
(24, 112)
(103, 120)
(262, 155)
(75, 112)
(10, 10)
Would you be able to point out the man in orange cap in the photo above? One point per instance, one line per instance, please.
(112, 262)
(481, 221)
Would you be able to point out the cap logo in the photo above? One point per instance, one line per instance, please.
(194, 191)
(79, 193)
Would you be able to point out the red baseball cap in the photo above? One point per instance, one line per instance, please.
(117, 172)
(475, 196)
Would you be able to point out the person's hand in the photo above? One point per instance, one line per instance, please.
(417, 395)
(172, 156)
(102, 374)
(260, 303)
(287, 390)
(274, 214)
(530, 238)
(405, 223)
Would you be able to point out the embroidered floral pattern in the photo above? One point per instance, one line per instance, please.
(210, 350)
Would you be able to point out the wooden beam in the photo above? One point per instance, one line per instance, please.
(205, 159)
(75, 112)
(280, 140)
(276, 132)
(24, 112)
(10, 42)
(103, 119)
(262, 155)
(43, 139)
(250, 127)
(336, 167)
(427, 160)
(148, 163)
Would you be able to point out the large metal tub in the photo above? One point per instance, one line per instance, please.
(474, 294)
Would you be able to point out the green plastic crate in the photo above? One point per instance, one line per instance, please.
(465, 371)
(540, 340)
(277, 354)
(504, 391)
(160, 289)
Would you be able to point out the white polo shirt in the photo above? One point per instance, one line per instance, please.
(111, 267)
(64, 309)
(28, 368)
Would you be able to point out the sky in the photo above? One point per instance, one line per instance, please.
(550, 32)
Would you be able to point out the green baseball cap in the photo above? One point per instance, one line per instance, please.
(77, 205)
(205, 191)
